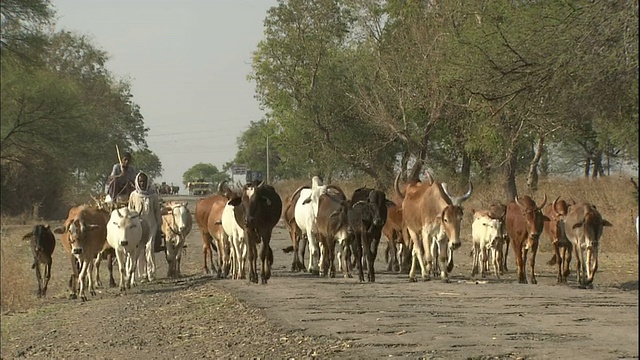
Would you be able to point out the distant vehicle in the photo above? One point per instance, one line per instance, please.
(199, 187)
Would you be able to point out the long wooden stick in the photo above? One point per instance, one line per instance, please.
(119, 158)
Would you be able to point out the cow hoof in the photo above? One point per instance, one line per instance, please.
(410, 279)
(112, 284)
(348, 276)
(425, 279)
(534, 281)
(264, 281)
(93, 293)
(73, 296)
(83, 298)
(446, 281)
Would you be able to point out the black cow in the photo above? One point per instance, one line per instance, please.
(261, 207)
(367, 215)
(43, 242)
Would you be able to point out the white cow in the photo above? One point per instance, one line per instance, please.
(487, 243)
(176, 225)
(126, 233)
(235, 233)
(305, 213)
(146, 202)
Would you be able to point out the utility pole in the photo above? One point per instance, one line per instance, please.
(267, 159)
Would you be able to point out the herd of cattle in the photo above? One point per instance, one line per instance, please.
(421, 223)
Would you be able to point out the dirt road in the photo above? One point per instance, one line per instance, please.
(298, 315)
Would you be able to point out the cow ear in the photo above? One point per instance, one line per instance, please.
(606, 223)
(27, 236)
(389, 203)
(235, 201)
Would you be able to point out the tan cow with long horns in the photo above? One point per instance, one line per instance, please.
(431, 213)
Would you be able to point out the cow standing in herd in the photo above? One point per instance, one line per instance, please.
(367, 216)
(298, 239)
(261, 206)
(431, 214)
(555, 232)
(524, 225)
(332, 225)
(583, 226)
(42, 243)
(176, 225)
(84, 234)
(127, 233)
(305, 213)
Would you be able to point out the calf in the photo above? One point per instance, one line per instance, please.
(367, 215)
(127, 234)
(298, 246)
(584, 225)
(554, 231)
(499, 211)
(42, 242)
(486, 237)
(176, 225)
(524, 223)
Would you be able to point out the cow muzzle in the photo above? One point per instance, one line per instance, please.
(124, 243)
(455, 245)
(77, 250)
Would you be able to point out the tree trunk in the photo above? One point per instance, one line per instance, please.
(598, 169)
(587, 166)
(417, 166)
(510, 187)
(532, 176)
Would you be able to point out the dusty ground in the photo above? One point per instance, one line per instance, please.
(298, 315)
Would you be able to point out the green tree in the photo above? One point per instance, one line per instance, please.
(206, 172)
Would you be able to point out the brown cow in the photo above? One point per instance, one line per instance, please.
(298, 246)
(524, 224)
(583, 227)
(261, 207)
(398, 250)
(84, 234)
(554, 231)
(202, 213)
(429, 213)
(333, 224)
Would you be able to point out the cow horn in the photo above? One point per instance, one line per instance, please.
(544, 202)
(518, 203)
(118, 211)
(221, 185)
(428, 177)
(553, 205)
(457, 200)
(397, 186)
(260, 185)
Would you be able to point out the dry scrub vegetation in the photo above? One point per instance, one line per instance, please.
(613, 196)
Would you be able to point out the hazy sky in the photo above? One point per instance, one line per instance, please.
(187, 62)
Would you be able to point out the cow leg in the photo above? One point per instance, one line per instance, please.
(517, 252)
(243, 258)
(36, 265)
(96, 265)
(417, 255)
(266, 256)
(313, 253)
(443, 258)
(567, 254)
(73, 279)
(47, 274)
(110, 258)
(81, 279)
(296, 243)
(532, 262)
(302, 245)
(121, 259)
(474, 255)
(591, 265)
(496, 259)
(366, 247)
(506, 254)
(393, 264)
(356, 249)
